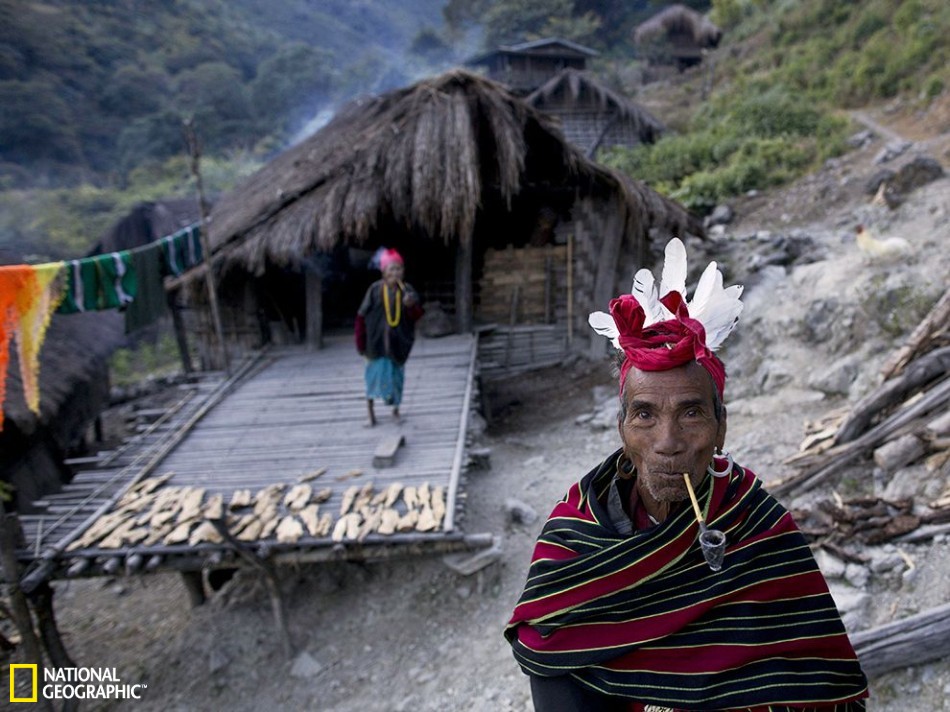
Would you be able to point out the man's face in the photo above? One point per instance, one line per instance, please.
(670, 428)
(393, 273)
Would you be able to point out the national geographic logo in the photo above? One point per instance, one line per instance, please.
(70, 684)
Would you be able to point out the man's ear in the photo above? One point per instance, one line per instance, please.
(721, 433)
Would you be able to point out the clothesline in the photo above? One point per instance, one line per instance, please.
(130, 280)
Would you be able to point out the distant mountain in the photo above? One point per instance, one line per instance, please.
(95, 88)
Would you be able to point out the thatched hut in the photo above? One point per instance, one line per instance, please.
(677, 35)
(525, 66)
(499, 217)
(592, 115)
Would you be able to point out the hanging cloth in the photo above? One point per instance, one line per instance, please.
(182, 250)
(150, 302)
(45, 294)
(102, 282)
(14, 281)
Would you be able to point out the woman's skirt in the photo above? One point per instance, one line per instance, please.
(384, 379)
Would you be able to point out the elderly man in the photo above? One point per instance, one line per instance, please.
(621, 611)
(385, 332)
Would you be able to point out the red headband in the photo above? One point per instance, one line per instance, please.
(663, 345)
(387, 258)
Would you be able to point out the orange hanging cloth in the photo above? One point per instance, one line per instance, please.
(15, 282)
(34, 318)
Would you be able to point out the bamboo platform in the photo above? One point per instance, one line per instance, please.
(288, 416)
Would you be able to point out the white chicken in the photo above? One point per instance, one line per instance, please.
(875, 248)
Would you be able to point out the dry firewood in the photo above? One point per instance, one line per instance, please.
(269, 525)
(371, 522)
(935, 322)
(322, 496)
(297, 497)
(123, 534)
(347, 527)
(426, 522)
(438, 503)
(311, 518)
(267, 499)
(180, 533)
(191, 503)
(363, 497)
(392, 494)
(100, 528)
(349, 475)
(348, 496)
(252, 530)
(310, 476)
(326, 522)
(205, 532)
(214, 507)
(289, 530)
(388, 520)
(240, 498)
(409, 497)
(407, 522)
(422, 495)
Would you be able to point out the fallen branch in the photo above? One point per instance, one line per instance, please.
(935, 322)
(910, 641)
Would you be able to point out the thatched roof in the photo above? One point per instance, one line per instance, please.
(426, 156)
(682, 20)
(75, 351)
(547, 47)
(581, 86)
(147, 222)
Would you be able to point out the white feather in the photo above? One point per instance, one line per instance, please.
(644, 289)
(605, 325)
(715, 307)
(708, 283)
(674, 268)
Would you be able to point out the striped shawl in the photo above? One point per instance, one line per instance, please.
(644, 618)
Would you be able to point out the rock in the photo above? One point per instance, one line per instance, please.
(305, 666)
(904, 483)
(721, 215)
(838, 377)
(520, 513)
(891, 151)
(852, 604)
(885, 175)
(920, 171)
(479, 458)
(831, 566)
(218, 660)
(821, 320)
(884, 560)
(856, 575)
(861, 138)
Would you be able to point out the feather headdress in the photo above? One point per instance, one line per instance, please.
(651, 317)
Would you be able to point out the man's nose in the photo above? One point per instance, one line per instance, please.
(668, 437)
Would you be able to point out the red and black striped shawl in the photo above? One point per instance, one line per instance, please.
(644, 618)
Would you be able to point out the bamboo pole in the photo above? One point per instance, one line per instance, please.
(194, 149)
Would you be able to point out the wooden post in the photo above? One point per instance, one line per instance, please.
(606, 271)
(313, 289)
(463, 284)
(194, 148)
(42, 599)
(570, 290)
(19, 608)
(180, 336)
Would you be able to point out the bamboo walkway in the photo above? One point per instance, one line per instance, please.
(290, 415)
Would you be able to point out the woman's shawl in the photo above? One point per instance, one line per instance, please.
(643, 616)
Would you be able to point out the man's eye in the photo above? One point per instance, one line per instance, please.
(641, 414)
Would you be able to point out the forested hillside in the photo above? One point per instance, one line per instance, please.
(93, 93)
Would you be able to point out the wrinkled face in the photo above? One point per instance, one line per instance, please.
(393, 273)
(670, 428)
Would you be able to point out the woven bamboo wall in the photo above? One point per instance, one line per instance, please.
(524, 286)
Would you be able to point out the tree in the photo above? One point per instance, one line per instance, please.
(292, 85)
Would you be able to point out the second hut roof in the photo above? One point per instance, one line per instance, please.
(579, 86)
(680, 19)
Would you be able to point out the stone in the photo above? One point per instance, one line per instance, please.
(831, 566)
(305, 665)
(520, 513)
(919, 171)
(218, 660)
(837, 378)
(856, 575)
(467, 564)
